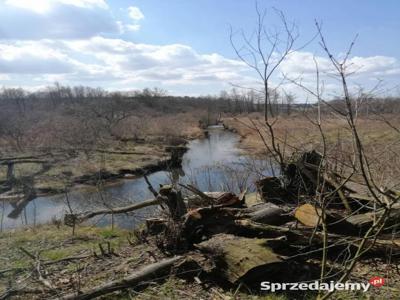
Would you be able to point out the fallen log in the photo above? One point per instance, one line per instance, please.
(339, 191)
(205, 222)
(312, 240)
(303, 236)
(251, 228)
(118, 210)
(201, 199)
(153, 271)
(311, 216)
(365, 220)
(239, 255)
(271, 190)
(252, 260)
(271, 214)
(28, 195)
(17, 159)
(197, 192)
(19, 292)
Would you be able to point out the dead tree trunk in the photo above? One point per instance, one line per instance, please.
(174, 201)
(10, 171)
(118, 210)
(147, 273)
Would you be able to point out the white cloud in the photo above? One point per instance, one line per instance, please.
(135, 13)
(38, 6)
(303, 64)
(395, 71)
(363, 71)
(43, 6)
(119, 64)
(55, 19)
(46, 40)
(115, 63)
(375, 65)
(4, 77)
(132, 27)
(133, 57)
(33, 58)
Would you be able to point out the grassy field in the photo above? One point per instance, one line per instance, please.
(296, 133)
(300, 133)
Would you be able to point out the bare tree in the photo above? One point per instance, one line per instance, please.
(265, 49)
(16, 95)
(289, 100)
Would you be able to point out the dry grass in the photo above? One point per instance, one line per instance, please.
(143, 143)
(381, 142)
(300, 132)
(64, 169)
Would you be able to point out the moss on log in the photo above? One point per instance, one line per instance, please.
(238, 255)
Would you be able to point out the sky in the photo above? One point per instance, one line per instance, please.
(183, 46)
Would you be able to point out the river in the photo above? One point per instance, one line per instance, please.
(212, 164)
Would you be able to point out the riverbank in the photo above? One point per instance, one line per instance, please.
(47, 173)
(212, 164)
(92, 257)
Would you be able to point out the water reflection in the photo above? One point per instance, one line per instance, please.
(212, 164)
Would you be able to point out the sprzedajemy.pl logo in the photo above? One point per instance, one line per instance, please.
(322, 286)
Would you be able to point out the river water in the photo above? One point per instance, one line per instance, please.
(211, 164)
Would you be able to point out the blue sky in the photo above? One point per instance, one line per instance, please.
(205, 24)
(183, 45)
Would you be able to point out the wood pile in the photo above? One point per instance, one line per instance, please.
(273, 234)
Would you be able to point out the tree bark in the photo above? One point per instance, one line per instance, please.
(240, 255)
(152, 271)
(311, 216)
(118, 210)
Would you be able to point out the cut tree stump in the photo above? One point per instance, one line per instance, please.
(174, 201)
(310, 216)
(253, 199)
